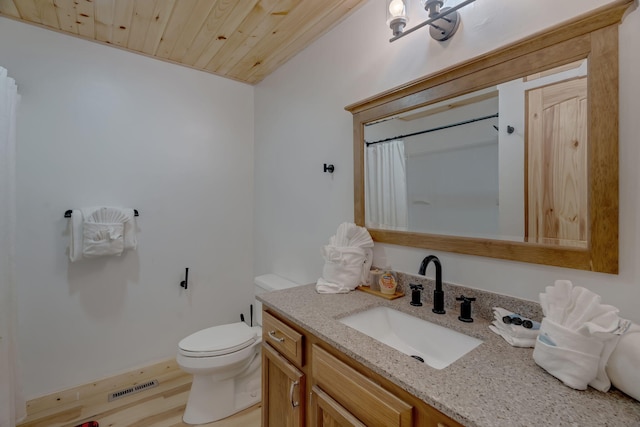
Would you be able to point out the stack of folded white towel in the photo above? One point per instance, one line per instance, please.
(348, 258)
(514, 334)
(577, 336)
(100, 231)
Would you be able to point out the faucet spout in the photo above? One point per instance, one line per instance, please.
(438, 293)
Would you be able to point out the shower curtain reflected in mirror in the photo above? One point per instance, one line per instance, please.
(12, 403)
(386, 186)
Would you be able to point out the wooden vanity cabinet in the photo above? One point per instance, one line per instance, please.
(283, 380)
(341, 392)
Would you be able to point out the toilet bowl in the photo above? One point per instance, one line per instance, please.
(225, 363)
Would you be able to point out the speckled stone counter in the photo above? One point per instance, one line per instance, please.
(493, 385)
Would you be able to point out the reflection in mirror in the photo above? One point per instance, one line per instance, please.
(508, 162)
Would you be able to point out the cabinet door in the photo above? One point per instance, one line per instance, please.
(360, 396)
(329, 413)
(283, 392)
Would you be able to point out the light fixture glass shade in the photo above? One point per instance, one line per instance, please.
(397, 17)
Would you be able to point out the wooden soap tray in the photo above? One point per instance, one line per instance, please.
(368, 290)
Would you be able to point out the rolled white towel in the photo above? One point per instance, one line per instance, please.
(606, 328)
(622, 366)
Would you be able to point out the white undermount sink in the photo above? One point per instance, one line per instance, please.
(436, 345)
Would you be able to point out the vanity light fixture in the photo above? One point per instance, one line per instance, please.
(443, 23)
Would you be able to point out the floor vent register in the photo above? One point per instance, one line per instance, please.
(131, 390)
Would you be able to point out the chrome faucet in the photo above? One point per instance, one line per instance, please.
(438, 294)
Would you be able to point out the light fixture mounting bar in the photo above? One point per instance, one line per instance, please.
(432, 19)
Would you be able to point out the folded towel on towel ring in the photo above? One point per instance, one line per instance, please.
(99, 231)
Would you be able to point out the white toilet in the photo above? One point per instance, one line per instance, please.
(225, 363)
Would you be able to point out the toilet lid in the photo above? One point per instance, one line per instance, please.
(218, 340)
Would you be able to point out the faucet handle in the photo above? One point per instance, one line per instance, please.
(465, 309)
(416, 299)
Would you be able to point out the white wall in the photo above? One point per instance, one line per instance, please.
(300, 124)
(101, 126)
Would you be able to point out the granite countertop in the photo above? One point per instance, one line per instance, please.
(493, 385)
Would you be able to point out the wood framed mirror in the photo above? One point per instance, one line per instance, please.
(590, 40)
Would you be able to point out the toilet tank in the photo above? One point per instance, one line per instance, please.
(267, 283)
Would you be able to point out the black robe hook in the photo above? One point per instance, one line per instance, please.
(185, 283)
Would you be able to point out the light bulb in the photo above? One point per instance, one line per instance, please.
(396, 8)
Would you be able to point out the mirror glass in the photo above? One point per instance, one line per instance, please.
(508, 162)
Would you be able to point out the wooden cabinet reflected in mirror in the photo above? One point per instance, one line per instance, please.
(511, 155)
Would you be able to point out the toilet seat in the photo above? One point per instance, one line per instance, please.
(218, 340)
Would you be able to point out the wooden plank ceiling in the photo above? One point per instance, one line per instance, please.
(245, 40)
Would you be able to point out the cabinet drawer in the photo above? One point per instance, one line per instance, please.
(283, 338)
(366, 400)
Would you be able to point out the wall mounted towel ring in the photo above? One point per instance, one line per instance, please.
(67, 213)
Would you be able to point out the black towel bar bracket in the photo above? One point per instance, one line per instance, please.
(67, 213)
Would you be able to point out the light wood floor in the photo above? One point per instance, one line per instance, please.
(161, 406)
